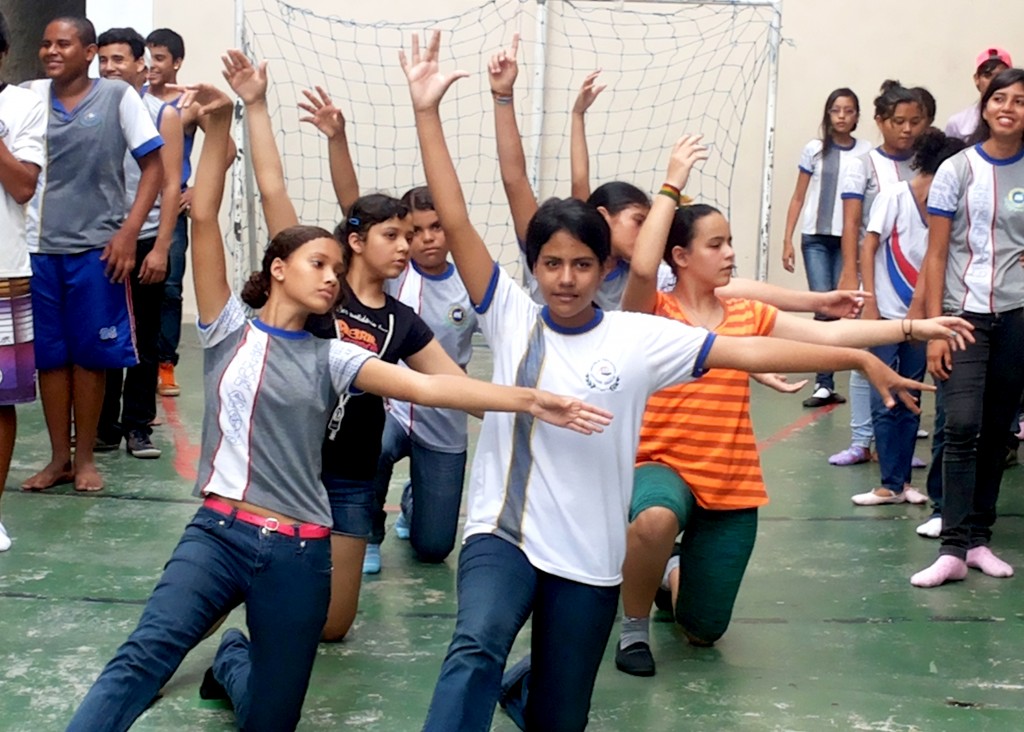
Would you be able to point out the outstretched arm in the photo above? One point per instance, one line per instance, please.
(250, 84)
(834, 303)
(209, 272)
(956, 332)
(471, 395)
(579, 156)
(642, 286)
(322, 114)
(427, 85)
(754, 353)
(503, 69)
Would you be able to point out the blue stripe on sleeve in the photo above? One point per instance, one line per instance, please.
(489, 295)
(147, 147)
(852, 196)
(941, 212)
(698, 365)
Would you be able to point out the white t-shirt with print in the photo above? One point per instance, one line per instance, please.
(573, 501)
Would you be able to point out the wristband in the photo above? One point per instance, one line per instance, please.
(671, 191)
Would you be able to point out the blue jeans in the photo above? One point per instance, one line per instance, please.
(823, 262)
(170, 309)
(896, 428)
(218, 564)
(938, 448)
(430, 500)
(987, 374)
(498, 589)
(351, 505)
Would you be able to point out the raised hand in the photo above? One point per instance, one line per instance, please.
(208, 98)
(588, 92)
(686, 152)
(570, 413)
(248, 82)
(427, 85)
(321, 113)
(503, 69)
(779, 382)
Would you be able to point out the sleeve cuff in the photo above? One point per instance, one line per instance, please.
(698, 366)
(852, 196)
(941, 212)
(481, 308)
(148, 147)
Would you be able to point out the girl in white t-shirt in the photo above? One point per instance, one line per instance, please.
(817, 196)
(546, 517)
(891, 257)
(975, 241)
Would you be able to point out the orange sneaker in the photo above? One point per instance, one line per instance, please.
(166, 385)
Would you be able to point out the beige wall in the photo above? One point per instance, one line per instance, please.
(827, 43)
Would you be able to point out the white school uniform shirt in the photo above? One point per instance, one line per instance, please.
(964, 123)
(903, 240)
(823, 205)
(984, 198)
(864, 177)
(562, 497)
(23, 131)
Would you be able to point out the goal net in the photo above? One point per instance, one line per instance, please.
(670, 67)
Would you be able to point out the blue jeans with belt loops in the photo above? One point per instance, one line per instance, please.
(218, 564)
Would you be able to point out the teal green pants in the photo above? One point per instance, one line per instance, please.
(713, 552)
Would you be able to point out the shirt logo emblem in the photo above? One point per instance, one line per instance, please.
(91, 119)
(603, 375)
(1015, 199)
(456, 314)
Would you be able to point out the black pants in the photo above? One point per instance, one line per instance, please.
(138, 385)
(980, 398)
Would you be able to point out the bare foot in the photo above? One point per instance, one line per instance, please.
(88, 478)
(53, 474)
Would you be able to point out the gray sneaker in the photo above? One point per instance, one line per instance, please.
(140, 446)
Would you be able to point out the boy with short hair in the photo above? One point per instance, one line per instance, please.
(22, 155)
(122, 56)
(84, 245)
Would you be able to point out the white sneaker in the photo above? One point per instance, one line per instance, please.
(5, 540)
(874, 499)
(931, 528)
(914, 496)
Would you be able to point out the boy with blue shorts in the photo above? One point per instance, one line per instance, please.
(82, 244)
(22, 128)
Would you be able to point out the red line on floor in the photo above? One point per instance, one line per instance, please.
(186, 452)
(806, 421)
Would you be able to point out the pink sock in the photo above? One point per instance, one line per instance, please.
(946, 569)
(981, 557)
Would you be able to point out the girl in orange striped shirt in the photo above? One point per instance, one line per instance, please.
(697, 463)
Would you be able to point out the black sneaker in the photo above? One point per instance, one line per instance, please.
(635, 659)
(212, 690)
(140, 446)
(106, 443)
(822, 396)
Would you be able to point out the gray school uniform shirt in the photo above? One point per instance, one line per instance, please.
(443, 304)
(984, 198)
(81, 198)
(268, 395)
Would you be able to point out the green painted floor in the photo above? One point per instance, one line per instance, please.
(828, 633)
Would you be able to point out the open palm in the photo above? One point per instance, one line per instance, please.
(248, 82)
(427, 84)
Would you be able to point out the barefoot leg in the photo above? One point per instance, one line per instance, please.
(55, 393)
(88, 390)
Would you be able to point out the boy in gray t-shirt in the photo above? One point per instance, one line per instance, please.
(83, 244)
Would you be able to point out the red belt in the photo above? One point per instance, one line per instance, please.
(269, 524)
